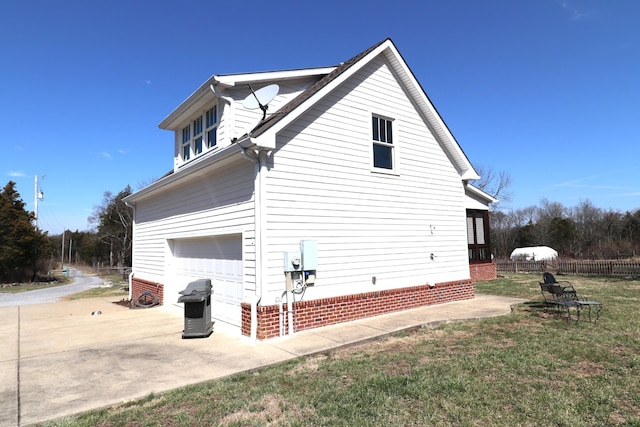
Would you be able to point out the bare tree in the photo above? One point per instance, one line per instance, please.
(588, 220)
(544, 216)
(114, 226)
(146, 182)
(496, 184)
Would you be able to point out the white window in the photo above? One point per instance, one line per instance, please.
(212, 126)
(197, 136)
(382, 134)
(200, 135)
(186, 143)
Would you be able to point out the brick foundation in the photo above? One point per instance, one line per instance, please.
(480, 272)
(328, 311)
(138, 286)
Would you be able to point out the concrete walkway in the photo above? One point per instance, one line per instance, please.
(57, 359)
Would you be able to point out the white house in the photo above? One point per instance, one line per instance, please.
(352, 183)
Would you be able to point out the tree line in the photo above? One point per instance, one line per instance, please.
(583, 232)
(29, 254)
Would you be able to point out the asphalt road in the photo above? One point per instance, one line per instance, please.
(54, 294)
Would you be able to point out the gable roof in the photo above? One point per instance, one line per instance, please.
(331, 77)
(296, 107)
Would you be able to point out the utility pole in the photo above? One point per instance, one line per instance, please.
(37, 195)
(35, 201)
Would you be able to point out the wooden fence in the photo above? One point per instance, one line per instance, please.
(595, 268)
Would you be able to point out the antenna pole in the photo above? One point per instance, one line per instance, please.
(262, 107)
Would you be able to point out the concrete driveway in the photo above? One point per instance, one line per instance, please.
(57, 359)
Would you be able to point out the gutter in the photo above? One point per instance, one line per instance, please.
(230, 117)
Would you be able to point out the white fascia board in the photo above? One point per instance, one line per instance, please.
(261, 142)
(231, 80)
(475, 191)
(189, 106)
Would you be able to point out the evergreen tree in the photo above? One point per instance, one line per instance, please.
(20, 241)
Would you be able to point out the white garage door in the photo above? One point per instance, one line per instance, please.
(218, 259)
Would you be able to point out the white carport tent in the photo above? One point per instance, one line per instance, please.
(534, 253)
(217, 258)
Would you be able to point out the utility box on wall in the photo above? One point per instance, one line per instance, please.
(300, 267)
(292, 261)
(309, 252)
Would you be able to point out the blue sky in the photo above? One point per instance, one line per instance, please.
(546, 90)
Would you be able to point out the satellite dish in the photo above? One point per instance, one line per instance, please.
(260, 98)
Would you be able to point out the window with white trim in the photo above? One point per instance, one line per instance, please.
(212, 126)
(200, 135)
(186, 143)
(382, 134)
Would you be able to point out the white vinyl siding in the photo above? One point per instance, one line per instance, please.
(321, 187)
(195, 211)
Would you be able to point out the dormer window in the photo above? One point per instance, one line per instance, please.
(200, 135)
(212, 126)
(186, 143)
(197, 136)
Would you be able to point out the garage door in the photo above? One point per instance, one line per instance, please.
(218, 259)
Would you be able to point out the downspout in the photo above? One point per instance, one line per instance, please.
(133, 232)
(258, 159)
(231, 117)
(261, 225)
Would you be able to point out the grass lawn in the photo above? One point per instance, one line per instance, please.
(528, 368)
(33, 286)
(115, 290)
